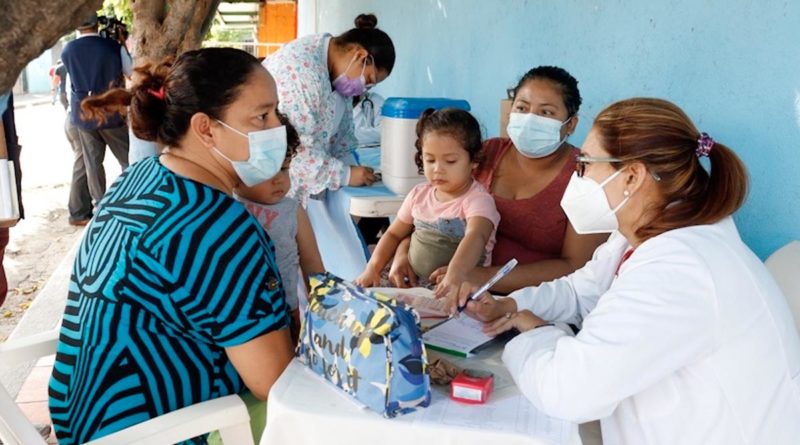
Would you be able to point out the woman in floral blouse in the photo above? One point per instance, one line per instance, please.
(317, 77)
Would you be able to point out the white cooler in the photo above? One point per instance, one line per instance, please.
(398, 135)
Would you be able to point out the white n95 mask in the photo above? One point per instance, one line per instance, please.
(267, 151)
(535, 136)
(586, 205)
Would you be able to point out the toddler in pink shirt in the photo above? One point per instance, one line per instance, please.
(451, 218)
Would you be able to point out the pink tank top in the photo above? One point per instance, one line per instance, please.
(530, 229)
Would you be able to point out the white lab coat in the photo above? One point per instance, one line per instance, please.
(692, 343)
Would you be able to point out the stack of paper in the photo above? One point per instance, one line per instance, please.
(420, 298)
(459, 335)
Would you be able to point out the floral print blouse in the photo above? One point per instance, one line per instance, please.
(300, 69)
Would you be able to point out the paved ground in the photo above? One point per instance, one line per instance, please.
(39, 242)
(42, 242)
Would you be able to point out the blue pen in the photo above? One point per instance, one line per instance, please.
(511, 264)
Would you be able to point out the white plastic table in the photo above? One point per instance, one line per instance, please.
(305, 409)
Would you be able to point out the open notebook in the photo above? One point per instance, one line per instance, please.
(460, 336)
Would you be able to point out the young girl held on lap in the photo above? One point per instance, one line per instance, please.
(287, 225)
(452, 216)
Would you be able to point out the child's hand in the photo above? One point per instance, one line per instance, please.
(449, 286)
(438, 275)
(368, 278)
(401, 274)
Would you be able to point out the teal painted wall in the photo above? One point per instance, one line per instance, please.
(732, 65)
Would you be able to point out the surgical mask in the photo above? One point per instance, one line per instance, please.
(348, 87)
(586, 205)
(535, 136)
(267, 151)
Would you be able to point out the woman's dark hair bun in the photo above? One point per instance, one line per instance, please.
(366, 21)
(149, 101)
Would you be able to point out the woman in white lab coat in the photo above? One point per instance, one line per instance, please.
(686, 338)
(317, 77)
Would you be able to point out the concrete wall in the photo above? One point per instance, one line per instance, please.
(732, 65)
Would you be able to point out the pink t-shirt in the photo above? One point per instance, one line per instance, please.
(424, 211)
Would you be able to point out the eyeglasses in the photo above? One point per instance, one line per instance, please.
(582, 161)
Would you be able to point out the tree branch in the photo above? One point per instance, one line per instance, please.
(29, 31)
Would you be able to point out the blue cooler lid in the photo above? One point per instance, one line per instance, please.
(412, 107)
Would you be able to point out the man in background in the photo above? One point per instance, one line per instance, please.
(59, 84)
(94, 65)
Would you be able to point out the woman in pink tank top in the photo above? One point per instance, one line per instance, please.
(527, 174)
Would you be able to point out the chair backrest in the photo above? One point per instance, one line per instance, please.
(227, 414)
(784, 265)
(15, 428)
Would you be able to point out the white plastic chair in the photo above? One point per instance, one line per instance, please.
(227, 414)
(784, 265)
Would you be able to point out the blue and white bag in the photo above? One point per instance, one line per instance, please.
(367, 344)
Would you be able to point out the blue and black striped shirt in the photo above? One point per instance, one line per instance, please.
(169, 273)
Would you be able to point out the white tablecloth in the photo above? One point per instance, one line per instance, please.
(304, 409)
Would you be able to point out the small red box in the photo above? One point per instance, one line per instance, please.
(472, 386)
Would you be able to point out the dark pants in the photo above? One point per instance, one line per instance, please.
(62, 97)
(3, 280)
(94, 144)
(80, 201)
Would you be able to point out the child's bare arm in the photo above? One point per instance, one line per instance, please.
(310, 258)
(467, 255)
(384, 252)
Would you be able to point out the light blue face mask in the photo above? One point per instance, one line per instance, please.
(535, 136)
(267, 152)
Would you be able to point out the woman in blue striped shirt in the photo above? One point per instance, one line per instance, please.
(175, 296)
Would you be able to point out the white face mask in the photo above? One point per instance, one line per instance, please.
(535, 136)
(586, 205)
(267, 151)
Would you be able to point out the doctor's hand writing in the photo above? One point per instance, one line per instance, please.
(521, 321)
(483, 307)
(361, 176)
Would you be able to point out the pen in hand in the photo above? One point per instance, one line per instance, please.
(495, 278)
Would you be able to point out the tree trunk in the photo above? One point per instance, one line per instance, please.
(29, 28)
(167, 28)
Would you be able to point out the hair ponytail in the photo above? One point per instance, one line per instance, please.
(99, 108)
(166, 95)
(727, 184)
